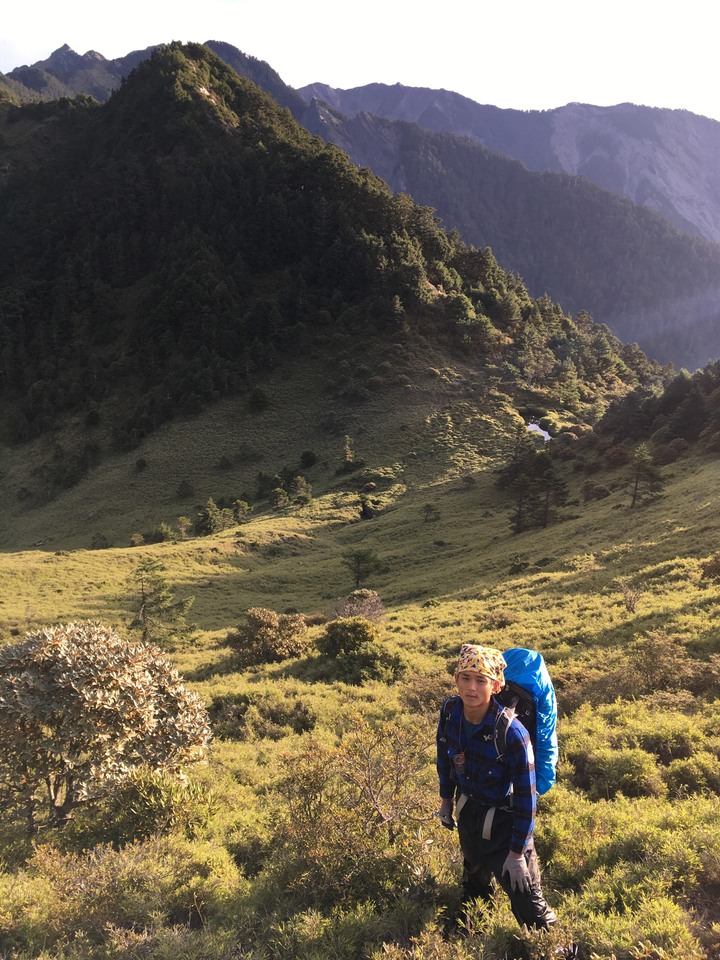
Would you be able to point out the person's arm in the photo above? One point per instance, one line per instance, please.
(444, 767)
(521, 764)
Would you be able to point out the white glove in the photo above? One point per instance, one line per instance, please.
(516, 868)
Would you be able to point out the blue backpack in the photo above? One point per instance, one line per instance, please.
(529, 695)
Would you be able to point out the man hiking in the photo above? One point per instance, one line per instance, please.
(494, 796)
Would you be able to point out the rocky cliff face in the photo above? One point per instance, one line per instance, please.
(666, 160)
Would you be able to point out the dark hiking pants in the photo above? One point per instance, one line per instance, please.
(484, 856)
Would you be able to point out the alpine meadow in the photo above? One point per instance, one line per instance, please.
(264, 466)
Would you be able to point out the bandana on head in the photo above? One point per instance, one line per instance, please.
(485, 660)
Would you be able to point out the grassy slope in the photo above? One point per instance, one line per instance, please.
(570, 594)
(446, 580)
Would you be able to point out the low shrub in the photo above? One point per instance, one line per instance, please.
(354, 645)
(315, 619)
(606, 771)
(698, 774)
(671, 452)
(660, 662)
(593, 491)
(79, 899)
(350, 826)
(710, 568)
(424, 694)
(268, 637)
(360, 603)
(149, 803)
(240, 716)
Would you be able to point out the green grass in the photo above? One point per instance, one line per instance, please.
(445, 581)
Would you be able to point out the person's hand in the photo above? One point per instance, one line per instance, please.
(517, 870)
(444, 814)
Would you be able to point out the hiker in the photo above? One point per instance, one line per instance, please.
(494, 797)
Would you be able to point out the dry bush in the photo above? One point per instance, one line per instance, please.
(350, 828)
(661, 663)
(670, 452)
(360, 603)
(314, 619)
(268, 637)
(710, 569)
(593, 491)
(80, 710)
(425, 695)
(618, 456)
(631, 594)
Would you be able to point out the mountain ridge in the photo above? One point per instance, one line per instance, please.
(589, 249)
(552, 140)
(200, 238)
(188, 271)
(578, 139)
(670, 286)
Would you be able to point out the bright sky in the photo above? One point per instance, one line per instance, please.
(525, 54)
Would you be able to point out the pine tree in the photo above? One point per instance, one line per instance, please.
(209, 520)
(645, 480)
(158, 615)
(361, 564)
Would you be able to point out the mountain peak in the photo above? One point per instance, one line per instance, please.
(65, 58)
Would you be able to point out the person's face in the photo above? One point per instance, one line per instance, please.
(475, 689)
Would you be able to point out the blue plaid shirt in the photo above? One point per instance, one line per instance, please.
(483, 775)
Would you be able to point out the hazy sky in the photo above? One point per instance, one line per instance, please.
(526, 54)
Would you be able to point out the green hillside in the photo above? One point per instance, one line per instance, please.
(614, 597)
(212, 378)
(180, 243)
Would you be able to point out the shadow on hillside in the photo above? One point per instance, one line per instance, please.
(618, 635)
(704, 641)
(217, 668)
(309, 669)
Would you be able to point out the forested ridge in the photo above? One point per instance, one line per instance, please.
(167, 247)
(583, 245)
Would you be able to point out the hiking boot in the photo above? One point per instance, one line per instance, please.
(569, 952)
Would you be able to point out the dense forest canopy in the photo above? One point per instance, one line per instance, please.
(177, 241)
(649, 277)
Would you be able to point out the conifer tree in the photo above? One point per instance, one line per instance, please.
(361, 564)
(209, 520)
(158, 615)
(645, 480)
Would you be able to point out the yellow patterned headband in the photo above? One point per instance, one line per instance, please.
(485, 660)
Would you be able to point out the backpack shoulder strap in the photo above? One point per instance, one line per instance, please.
(448, 705)
(505, 717)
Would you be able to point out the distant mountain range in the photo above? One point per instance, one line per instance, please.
(666, 160)
(613, 210)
